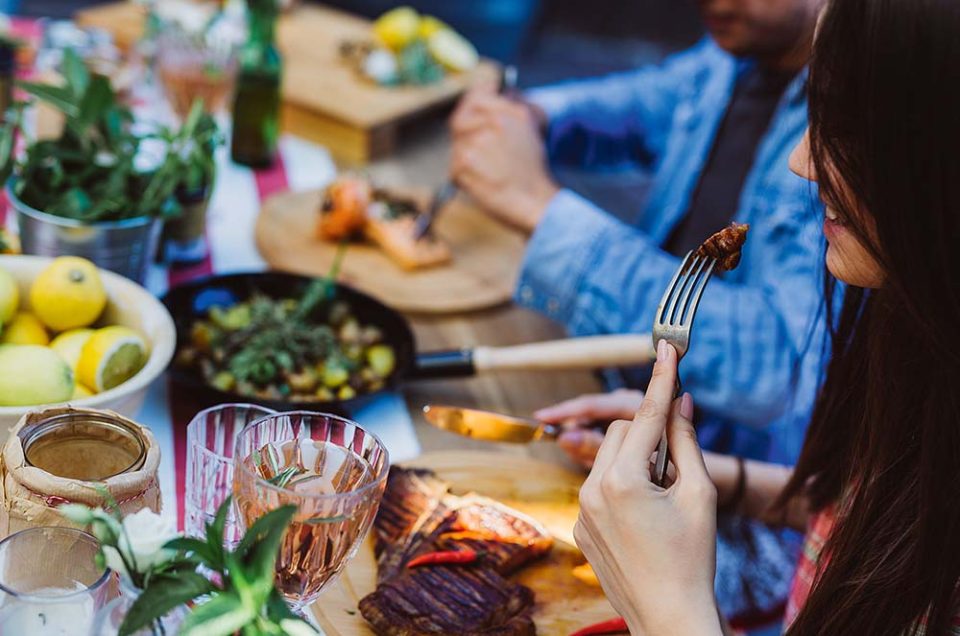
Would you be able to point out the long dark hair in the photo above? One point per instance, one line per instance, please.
(884, 441)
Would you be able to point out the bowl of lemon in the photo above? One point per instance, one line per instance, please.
(72, 333)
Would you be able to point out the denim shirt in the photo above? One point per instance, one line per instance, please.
(750, 349)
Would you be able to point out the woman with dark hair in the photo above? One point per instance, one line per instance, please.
(877, 485)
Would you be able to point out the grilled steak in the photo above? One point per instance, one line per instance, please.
(410, 494)
(467, 601)
(725, 246)
(418, 516)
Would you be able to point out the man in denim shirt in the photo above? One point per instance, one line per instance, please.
(715, 125)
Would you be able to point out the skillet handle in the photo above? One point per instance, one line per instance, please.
(444, 364)
(592, 352)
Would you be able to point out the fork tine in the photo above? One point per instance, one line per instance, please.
(688, 287)
(661, 313)
(691, 309)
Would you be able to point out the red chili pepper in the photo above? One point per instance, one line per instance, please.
(612, 626)
(441, 558)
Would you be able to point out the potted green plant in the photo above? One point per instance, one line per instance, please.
(197, 142)
(103, 186)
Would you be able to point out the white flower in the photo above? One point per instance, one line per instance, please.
(142, 540)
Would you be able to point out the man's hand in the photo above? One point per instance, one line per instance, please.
(499, 159)
(577, 416)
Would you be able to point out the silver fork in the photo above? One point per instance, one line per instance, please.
(673, 322)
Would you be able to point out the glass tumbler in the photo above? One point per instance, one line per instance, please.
(211, 438)
(50, 582)
(334, 473)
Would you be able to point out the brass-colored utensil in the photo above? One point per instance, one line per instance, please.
(488, 427)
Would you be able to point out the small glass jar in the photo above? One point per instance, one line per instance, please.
(87, 446)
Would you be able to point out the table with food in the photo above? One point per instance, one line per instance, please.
(260, 369)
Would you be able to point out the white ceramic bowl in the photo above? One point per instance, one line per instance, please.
(128, 304)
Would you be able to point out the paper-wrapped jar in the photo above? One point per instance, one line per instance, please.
(68, 455)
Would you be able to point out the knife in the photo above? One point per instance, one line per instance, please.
(446, 192)
(488, 427)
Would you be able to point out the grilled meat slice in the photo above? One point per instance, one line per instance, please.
(411, 495)
(467, 601)
(725, 246)
(507, 539)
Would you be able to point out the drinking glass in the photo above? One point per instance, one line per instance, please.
(332, 470)
(193, 66)
(211, 439)
(50, 582)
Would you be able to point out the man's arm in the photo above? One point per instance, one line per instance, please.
(620, 119)
(597, 275)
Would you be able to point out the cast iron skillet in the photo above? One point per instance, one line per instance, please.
(192, 301)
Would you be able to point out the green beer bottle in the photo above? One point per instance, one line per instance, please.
(256, 106)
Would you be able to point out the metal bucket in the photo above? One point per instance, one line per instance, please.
(125, 247)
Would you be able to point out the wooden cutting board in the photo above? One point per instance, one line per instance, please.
(483, 273)
(547, 492)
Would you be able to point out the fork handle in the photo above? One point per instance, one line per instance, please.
(663, 452)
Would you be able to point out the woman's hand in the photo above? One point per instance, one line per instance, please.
(653, 549)
(577, 416)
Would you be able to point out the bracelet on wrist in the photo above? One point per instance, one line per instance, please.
(732, 503)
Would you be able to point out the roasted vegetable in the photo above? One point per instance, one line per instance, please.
(307, 349)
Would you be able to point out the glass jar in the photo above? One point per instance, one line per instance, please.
(87, 446)
(108, 620)
(256, 106)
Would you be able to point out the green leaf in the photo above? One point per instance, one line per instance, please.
(75, 72)
(277, 608)
(94, 102)
(163, 594)
(220, 616)
(269, 527)
(214, 532)
(59, 97)
(201, 549)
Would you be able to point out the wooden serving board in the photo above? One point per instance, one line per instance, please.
(547, 492)
(324, 100)
(486, 256)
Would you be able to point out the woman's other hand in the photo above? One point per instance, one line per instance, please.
(653, 548)
(579, 416)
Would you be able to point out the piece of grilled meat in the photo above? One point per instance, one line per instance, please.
(725, 246)
(417, 516)
(466, 601)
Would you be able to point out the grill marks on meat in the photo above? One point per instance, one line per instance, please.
(449, 600)
(418, 516)
(410, 495)
(725, 246)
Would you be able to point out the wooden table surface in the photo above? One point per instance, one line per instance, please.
(422, 161)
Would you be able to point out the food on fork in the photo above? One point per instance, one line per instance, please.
(352, 208)
(419, 522)
(725, 246)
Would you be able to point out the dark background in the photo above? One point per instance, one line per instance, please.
(549, 40)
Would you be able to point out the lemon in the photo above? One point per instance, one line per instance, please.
(430, 25)
(80, 392)
(68, 294)
(9, 296)
(69, 344)
(452, 50)
(30, 374)
(110, 357)
(25, 329)
(397, 28)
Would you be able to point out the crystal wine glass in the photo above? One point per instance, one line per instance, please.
(332, 470)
